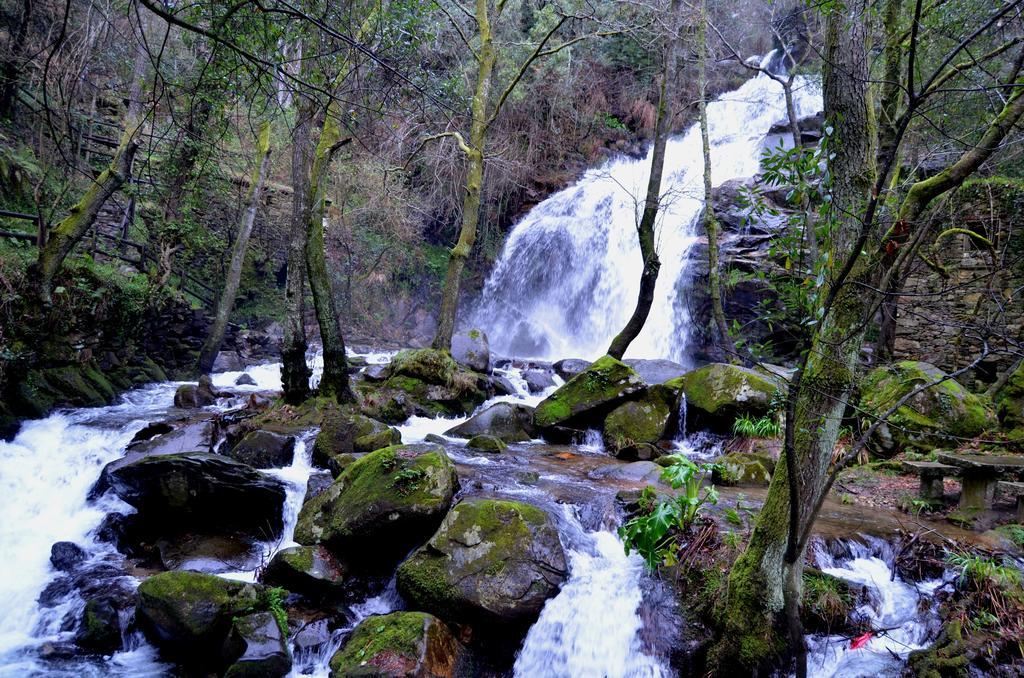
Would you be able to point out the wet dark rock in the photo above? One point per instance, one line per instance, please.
(257, 648)
(245, 380)
(639, 452)
(507, 421)
(309, 570)
(264, 449)
(208, 553)
(471, 348)
(488, 444)
(151, 431)
(200, 491)
(190, 396)
(399, 645)
(381, 505)
(317, 483)
(344, 433)
(538, 381)
(99, 630)
(491, 564)
(66, 556)
(501, 385)
(570, 367)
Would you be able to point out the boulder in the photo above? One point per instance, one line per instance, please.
(190, 396)
(426, 364)
(399, 645)
(491, 563)
(471, 348)
(636, 421)
(570, 367)
(538, 381)
(655, 372)
(99, 630)
(245, 380)
(203, 491)
(190, 612)
(66, 556)
(264, 449)
(506, 421)
(718, 393)
(1009, 402)
(743, 468)
(257, 647)
(150, 431)
(586, 398)
(501, 385)
(382, 504)
(227, 361)
(639, 452)
(424, 382)
(937, 416)
(309, 570)
(208, 553)
(344, 433)
(487, 444)
(636, 472)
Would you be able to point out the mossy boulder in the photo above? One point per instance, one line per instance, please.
(203, 492)
(399, 645)
(487, 444)
(99, 630)
(257, 647)
(426, 383)
(471, 348)
(947, 657)
(743, 468)
(426, 364)
(308, 570)
(191, 612)
(382, 504)
(343, 433)
(1009, 402)
(829, 603)
(635, 422)
(508, 422)
(264, 449)
(718, 393)
(584, 400)
(938, 416)
(492, 564)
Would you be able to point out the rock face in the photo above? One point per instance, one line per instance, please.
(636, 421)
(399, 645)
(309, 570)
(1009, 402)
(743, 468)
(505, 421)
(343, 432)
(202, 491)
(263, 449)
(189, 612)
(587, 397)
(382, 504)
(718, 393)
(491, 563)
(471, 348)
(258, 647)
(932, 418)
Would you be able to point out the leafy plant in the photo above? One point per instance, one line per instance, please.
(733, 516)
(762, 427)
(406, 480)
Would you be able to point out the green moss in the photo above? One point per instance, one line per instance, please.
(425, 364)
(1014, 533)
(603, 383)
(828, 601)
(727, 390)
(946, 658)
(486, 443)
(637, 421)
(378, 640)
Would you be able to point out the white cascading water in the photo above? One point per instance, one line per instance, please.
(569, 274)
(592, 627)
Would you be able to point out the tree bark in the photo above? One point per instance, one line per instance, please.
(710, 222)
(652, 201)
(10, 71)
(211, 347)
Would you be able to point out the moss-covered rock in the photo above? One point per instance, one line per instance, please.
(743, 468)
(1009, 401)
(426, 364)
(257, 647)
(584, 400)
(399, 645)
(343, 432)
(491, 563)
(718, 393)
(939, 415)
(946, 658)
(185, 611)
(635, 422)
(99, 630)
(509, 422)
(309, 570)
(431, 388)
(487, 444)
(382, 504)
(828, 604)
(264, 449)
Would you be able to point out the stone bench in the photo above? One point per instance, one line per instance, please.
(931, 474)
(1015, 490)
(980, 474)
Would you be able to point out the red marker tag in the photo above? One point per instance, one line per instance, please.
(861, 641)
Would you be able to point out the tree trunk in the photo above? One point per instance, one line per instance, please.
(294, 370)
(474, 179)
(10, 71)
(649, 219)
(211, 347)
(710, 222)
(334, 382)
(760, 621)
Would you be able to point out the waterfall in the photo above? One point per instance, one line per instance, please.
(568, 276)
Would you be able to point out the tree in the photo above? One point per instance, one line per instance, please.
(652, 201)
(208, 354)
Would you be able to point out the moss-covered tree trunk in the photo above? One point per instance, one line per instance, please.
(652, 200)
(295, 372)
(211, 346)
(710, 222)
(474, 180)
(760, 620)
